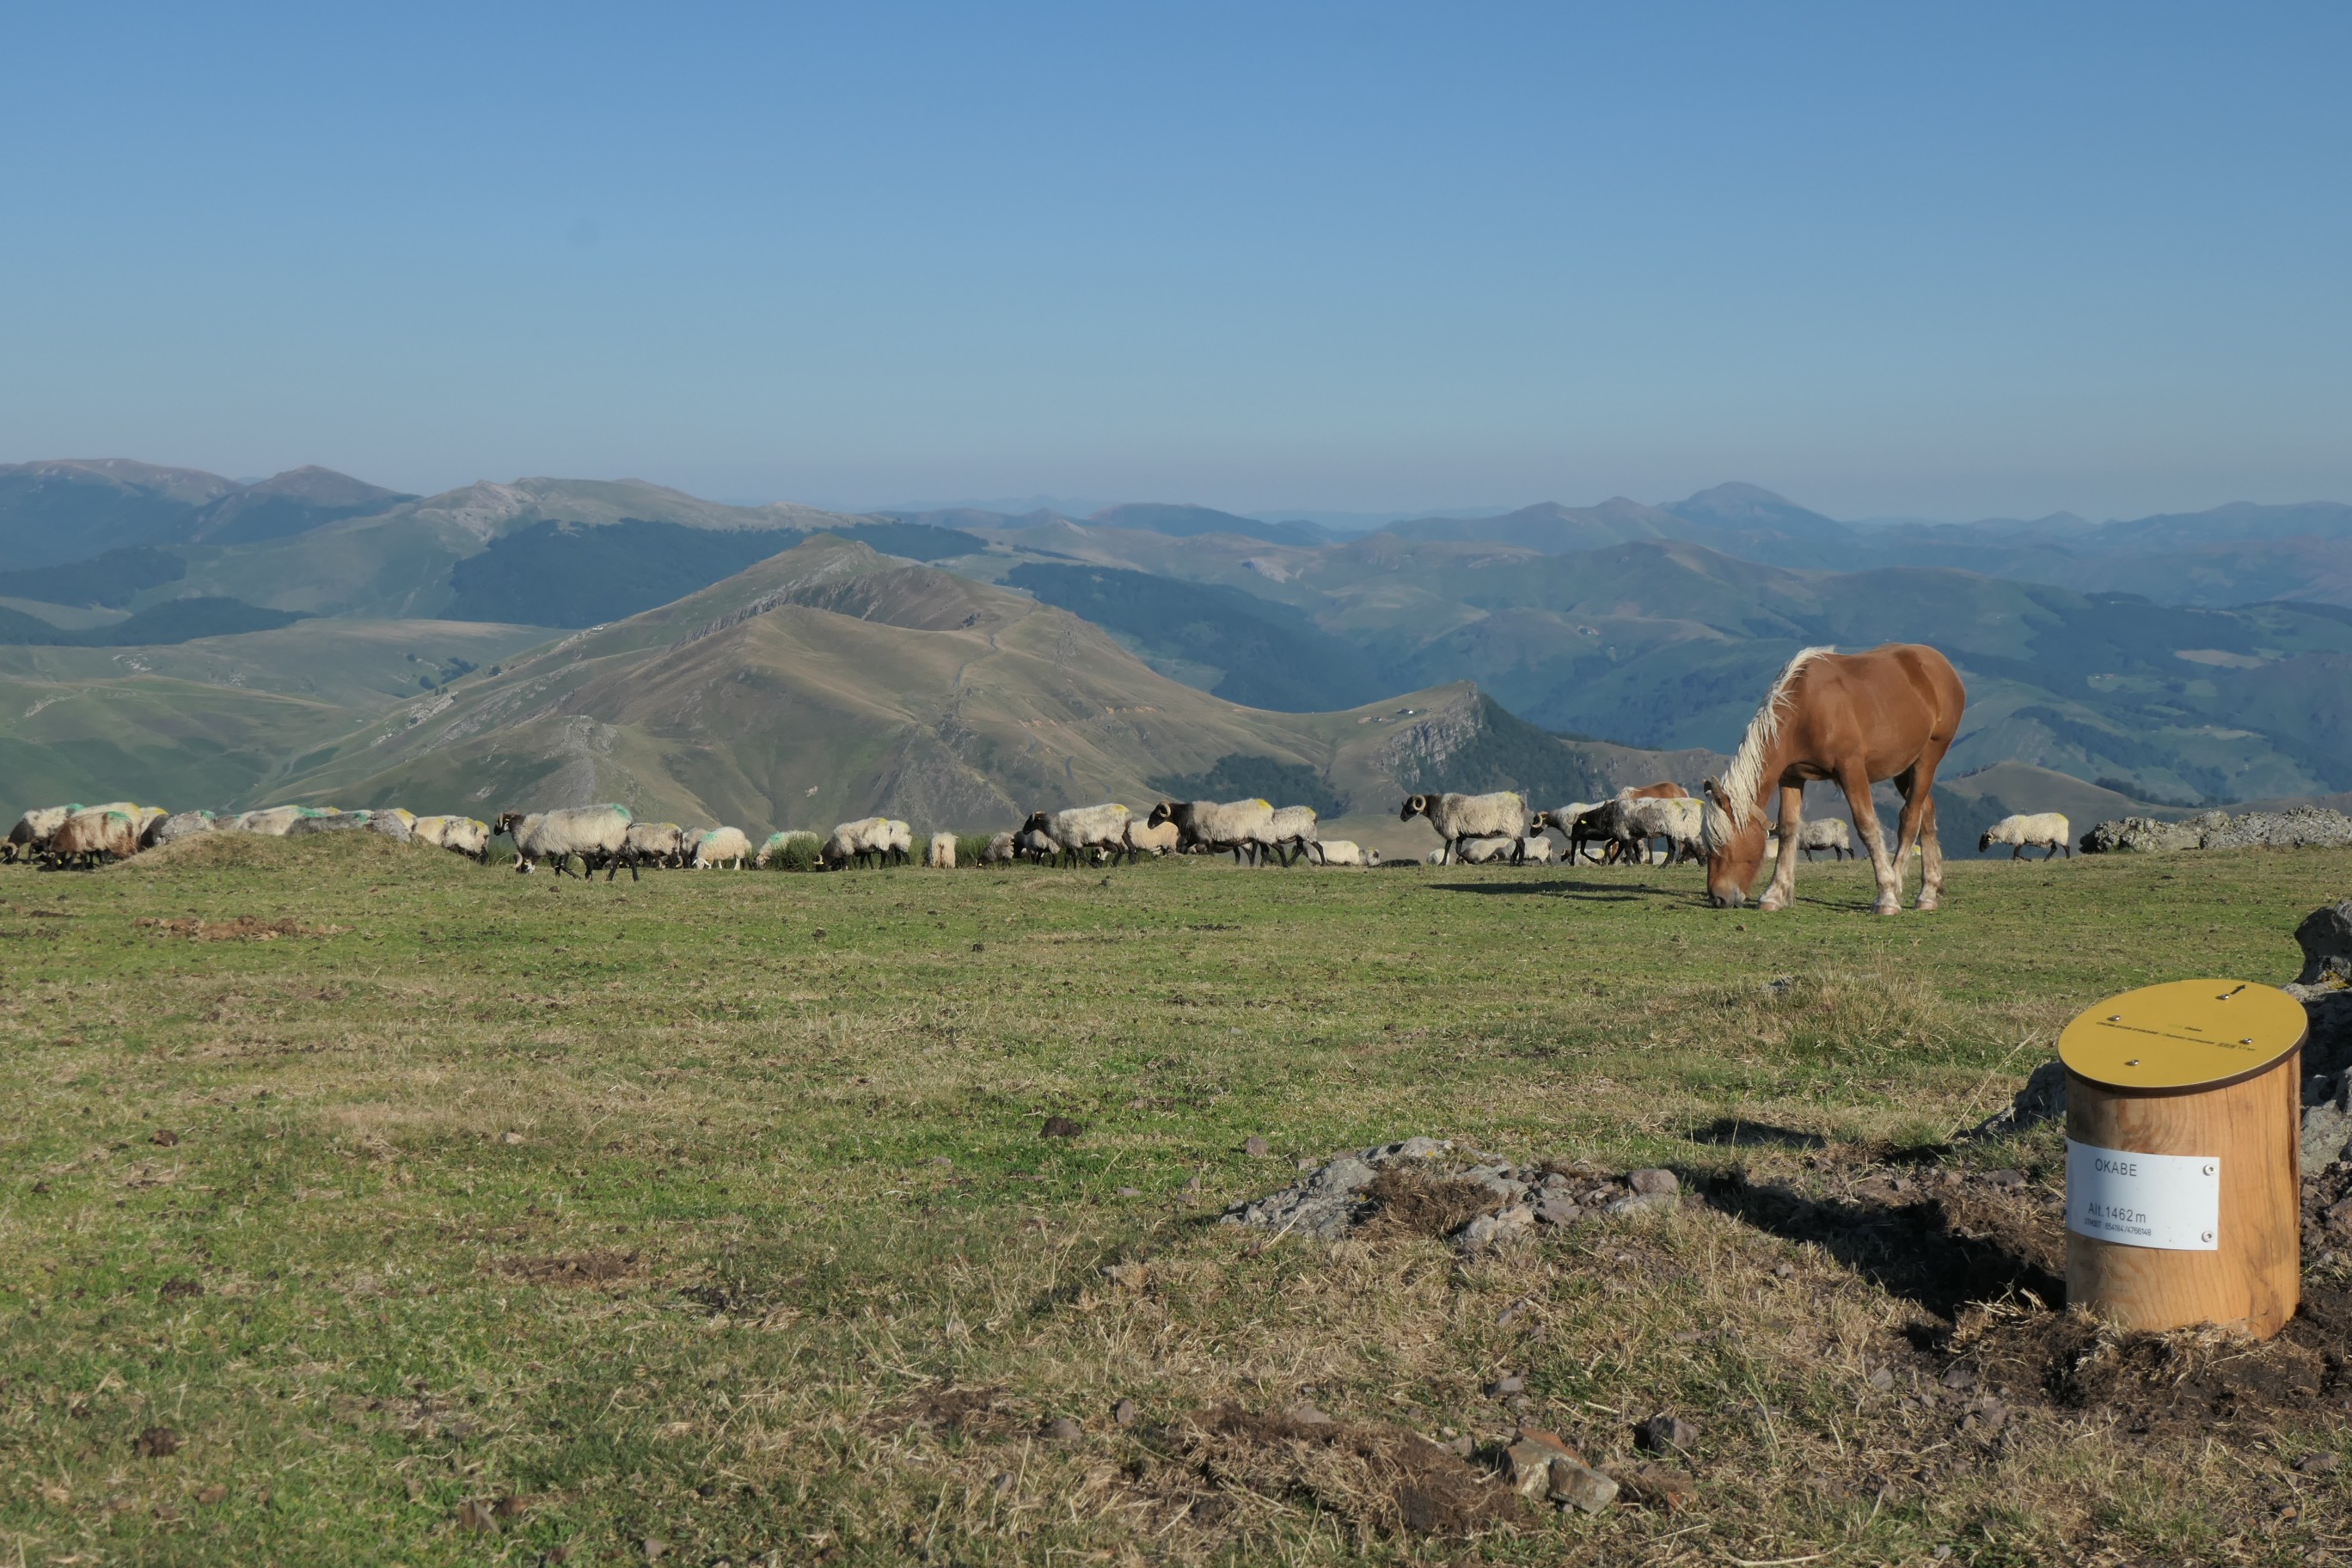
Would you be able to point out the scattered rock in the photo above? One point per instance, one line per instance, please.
(1655, 1486)
(1654, 1181)
(2324, 1463)
(1664, 1433)
(1579, 1485)
(1527, 1463)
(164, 1138)
(1494, 1229)
(2006, 1181)
(1060, 1127)
(1883, 1379)
(1255, 1147)
(216, 1493)
(1639, 1203)
(2043, 1099)
(943, 1163)
(1329, 1201)
(509, 1137)
(1558, 1208)
(1124, 1413)
(1062, 1430)
(654, 1547)
(1305, 1414)
(157, 1443)
(1508, 1384)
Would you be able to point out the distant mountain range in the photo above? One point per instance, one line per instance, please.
(2097, 652)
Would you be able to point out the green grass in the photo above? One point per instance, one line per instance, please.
(789, 1128)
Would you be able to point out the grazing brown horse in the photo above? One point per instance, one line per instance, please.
(1853, 718)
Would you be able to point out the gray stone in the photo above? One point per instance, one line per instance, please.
(1509, 1382)
(2327, 1133)
(1529, 1462)
(1581, 1486)
(1642, 1203)
(2322, 1463)
(2007, 1181)
(1328, 1200)
(1652, 1180)
(1494, 1229)
(1124, 1413)
(1558, 1208)
(2325, 938)
(1255, 1147)
(2043, 1099)
(1664, 1432)
(2298, 828)
(1062, 1430)
(1305, 1414)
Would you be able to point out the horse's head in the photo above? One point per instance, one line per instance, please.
(1733, 853)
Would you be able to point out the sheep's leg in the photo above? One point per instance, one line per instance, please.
(1782, 891)
(2049, 853)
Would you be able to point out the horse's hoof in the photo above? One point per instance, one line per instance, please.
(1886, 905)
(1926, 905)
(1769, 903)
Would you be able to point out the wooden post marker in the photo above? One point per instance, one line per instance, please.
(2183, 1178)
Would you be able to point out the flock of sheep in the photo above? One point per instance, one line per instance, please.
(1661, 821)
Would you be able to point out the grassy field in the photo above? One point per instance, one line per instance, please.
(428, 1214)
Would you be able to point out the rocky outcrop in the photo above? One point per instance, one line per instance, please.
(2299, 828)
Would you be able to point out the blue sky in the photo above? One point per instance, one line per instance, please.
(1954, 261)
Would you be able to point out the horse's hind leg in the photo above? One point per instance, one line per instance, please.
(1854, 779)
(1931, 852)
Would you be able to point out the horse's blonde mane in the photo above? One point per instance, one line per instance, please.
(1743, 782)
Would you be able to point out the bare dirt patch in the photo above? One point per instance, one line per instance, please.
(241, 928)
(1378, 1480)
(597, 1267)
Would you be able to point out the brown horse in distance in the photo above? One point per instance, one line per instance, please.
(1853, 718)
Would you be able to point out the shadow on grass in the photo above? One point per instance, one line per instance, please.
(1732, 1132)
(1585, 892)
(1909, 1250)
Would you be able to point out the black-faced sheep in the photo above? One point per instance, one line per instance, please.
(2047, 828)
(30, 837)
(597, 833)
(1830, 833)
(1239, 826)
(1502, 814)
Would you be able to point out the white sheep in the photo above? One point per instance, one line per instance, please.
(1001, 850)
(467, 836)
(1535, 849)
(1143, 839)
(1292, 833)
(1080, 831)
(1340, 852)
(1502, 814)
(1483, 850)
(1830, 833)
(656, 843)
(719, 845)
(2047, 828)
(33, 830)
(880, 839)
(93, 836)
(597, 833)
(941, 856)
(1239, 826)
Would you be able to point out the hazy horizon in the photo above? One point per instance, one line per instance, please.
(1362, 259)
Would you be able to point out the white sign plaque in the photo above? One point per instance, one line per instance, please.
(2167, 1201)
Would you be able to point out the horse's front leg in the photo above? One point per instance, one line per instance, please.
(1782, 892)
(1854, 779)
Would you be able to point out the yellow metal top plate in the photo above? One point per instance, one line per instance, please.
(2184, 1034)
